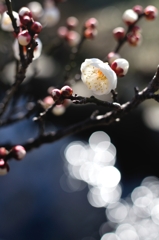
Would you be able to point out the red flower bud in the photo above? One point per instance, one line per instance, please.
(62, 31)
(119, 33)
(91, 23)
(25, 20)
(56, 94)
(3, 152)
(36, 27)
(72, 22)
(134, 39)
(90, 33)
(66, 91)
(24, 11)
(18, 152)
(150, 12)
(138, 9)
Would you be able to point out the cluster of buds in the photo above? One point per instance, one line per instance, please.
(57, 110)
(90, 28)
(68, 32)
(29, 30)
(71, 36)
(30, 20)
(59, 95)
(130, 18)
(17, 152)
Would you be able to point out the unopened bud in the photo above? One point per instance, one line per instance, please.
(24, 11)
(120, 67)
(119, 33)
(138, 9)
(134, 39)
(66, 91)
(36, 27)
(62, 31)
(3, 152)
(73, 38)
(25, 20)
(150, 12)
(129, 17)
(91, 23)
(90, 33)
(18, 152)
(24, 38)
(136, 29)
(47, 102)
(112, 56)
(72, 22)
(56, 94)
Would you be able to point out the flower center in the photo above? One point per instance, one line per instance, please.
(101, 76)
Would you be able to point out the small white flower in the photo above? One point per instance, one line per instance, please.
(6, 23)
(98, 76)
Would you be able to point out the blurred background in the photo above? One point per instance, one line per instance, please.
(101, 184)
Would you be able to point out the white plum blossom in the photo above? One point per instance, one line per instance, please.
(6, 23)
(98, 76)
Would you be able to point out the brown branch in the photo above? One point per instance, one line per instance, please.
(85, 100)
